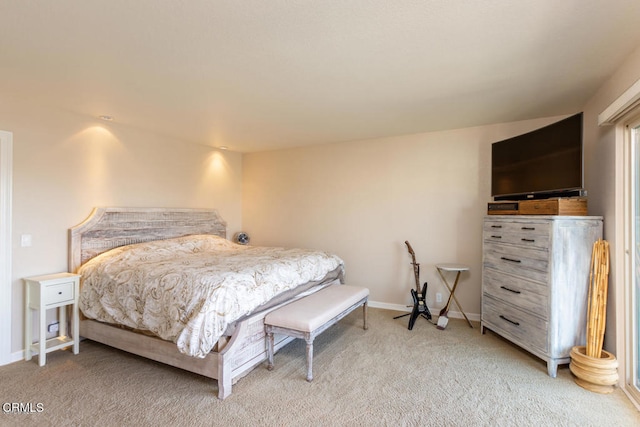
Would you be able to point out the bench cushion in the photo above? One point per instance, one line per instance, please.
(311, 312)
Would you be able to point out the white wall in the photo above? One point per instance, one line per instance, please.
(65, 164)
(363, 199)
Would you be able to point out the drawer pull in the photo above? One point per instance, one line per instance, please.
(60, 293)
(496, 237)
(509, 320)
(510, 259)
(528, 228)
(496, 226)
(510, 290)
(528, 240)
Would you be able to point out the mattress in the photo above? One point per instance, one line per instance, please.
(190, 289)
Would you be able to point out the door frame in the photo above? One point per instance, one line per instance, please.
(6, 174)
(628, 294)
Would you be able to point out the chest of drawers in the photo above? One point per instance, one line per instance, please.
(535, 281)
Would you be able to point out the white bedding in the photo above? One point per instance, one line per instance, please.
(189, 289)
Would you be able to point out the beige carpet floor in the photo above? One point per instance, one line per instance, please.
(385, 376)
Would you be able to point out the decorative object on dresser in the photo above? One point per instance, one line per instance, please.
(308, 317)
(502, 208)
(45, 292)
(571, 206)
(535, 276)
(418, 295)
(594, 368)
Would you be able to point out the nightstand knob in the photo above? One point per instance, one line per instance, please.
(59, 293)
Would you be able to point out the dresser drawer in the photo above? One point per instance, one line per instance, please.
(528, 263)
(524, 294)
(518, 325)
(59, 293)
(534, 235)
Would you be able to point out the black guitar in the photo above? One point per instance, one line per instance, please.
(419, 295)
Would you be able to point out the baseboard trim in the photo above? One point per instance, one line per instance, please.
(474, 317)
(19, 355)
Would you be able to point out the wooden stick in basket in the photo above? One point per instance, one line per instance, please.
(597, 324)
(597, 305)
(597, 300)
(590, 302)
(593, 296)
(603, 299)
(603, 285)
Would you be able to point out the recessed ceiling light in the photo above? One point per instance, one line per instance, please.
(223, 147)
(106, 118)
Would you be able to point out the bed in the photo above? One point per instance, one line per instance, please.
(220, 340)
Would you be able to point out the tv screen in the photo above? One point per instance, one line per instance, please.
(546, 162)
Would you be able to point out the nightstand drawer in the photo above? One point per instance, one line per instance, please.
(58, 293)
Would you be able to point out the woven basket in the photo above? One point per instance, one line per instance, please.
(598, 374)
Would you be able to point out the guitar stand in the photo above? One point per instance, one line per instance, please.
(419, 307)
(419, 300)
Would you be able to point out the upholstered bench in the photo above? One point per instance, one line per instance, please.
(309, 316)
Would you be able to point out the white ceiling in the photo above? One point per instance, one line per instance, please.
(266, 74)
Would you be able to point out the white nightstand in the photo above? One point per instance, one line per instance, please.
(45, 292)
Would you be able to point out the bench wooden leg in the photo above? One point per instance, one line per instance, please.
(365, 326)
(309, 340)
(270, 346)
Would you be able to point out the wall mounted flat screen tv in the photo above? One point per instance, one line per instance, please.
(544, 163)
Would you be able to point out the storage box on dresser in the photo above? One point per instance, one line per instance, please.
(535, 281)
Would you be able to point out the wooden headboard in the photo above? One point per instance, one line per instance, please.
(109, 227)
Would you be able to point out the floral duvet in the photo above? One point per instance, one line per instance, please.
(189, 289)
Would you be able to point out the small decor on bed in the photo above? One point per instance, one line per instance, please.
(241, 238)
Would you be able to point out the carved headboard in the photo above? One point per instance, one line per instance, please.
(110, 227)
